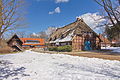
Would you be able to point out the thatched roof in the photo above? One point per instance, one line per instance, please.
(16, 37)
(77, 27)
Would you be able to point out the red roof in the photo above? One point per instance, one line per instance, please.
(41, 41)
(104, 39)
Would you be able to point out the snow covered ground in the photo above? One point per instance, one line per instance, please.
(114, 49)
(31, 65)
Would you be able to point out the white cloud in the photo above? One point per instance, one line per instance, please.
(34, 34)
(93, 20)
(61, 1)
(57, 10)
(51, 12)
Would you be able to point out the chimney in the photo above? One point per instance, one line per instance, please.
(79, 19)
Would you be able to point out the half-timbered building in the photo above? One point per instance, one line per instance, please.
(77, 34)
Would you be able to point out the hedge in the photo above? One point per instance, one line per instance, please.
(52, 49)
(66, 48)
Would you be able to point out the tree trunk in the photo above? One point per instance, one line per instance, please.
(0, 42)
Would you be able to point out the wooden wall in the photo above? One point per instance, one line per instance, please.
(77, 43)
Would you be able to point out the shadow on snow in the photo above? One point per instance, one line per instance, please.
(7, 71)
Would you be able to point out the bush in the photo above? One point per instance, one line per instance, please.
(3, 47)
(52, 49)
(5, 50)
(66, 48)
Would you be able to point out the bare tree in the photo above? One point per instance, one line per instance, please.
(119, 2)
(43, 35)
(21, 34)
(11, 15)
(32, 35)
(50, 30)
(112, 10)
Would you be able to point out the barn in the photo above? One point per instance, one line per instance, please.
(77, 34)
(15, 43)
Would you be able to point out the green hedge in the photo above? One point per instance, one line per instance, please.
(52, 49)
(66, 48)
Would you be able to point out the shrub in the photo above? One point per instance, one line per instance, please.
(66, 48)
(52, 48)
(3, 43)
(5, 50)
(3, 47)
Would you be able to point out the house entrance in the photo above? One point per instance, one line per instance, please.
(87, 43)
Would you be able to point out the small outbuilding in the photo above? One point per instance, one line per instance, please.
(15, 43)
(105, 42)
(77, 34)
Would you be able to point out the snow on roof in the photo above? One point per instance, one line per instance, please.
(66, 39)
(79, 25)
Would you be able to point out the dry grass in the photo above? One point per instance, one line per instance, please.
(5, 50)
(101, 54)
(108, 56)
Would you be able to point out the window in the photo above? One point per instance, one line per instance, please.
(38, 46)
(32, 42)
(26, 46)
(62, 44)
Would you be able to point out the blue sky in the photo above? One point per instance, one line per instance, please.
(41, 13)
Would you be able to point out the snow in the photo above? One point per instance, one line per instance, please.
(114, 49)
(65, 39)
(31, 65)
